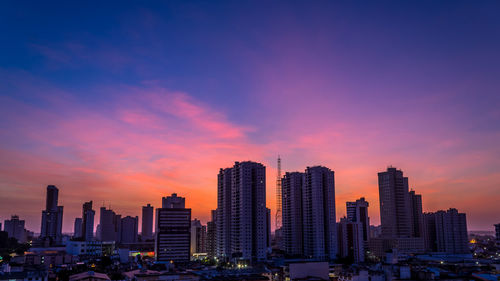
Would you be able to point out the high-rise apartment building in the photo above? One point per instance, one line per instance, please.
(147, 222)
(88, 221)
(77, 228)
(446, 232)
(318, 205)
(198, 237)
(497, 233)
(52, 217)
(173, 230)
(350, 240)
(211, 235)
(308, 202)
(52, 197)
(429, 232)
(400, 215)
(291, 189)
(242, 216)
(395, 210)
(15, 228)
(129, 229)
(110, 225)
(223, 212)
(416, 214)
(268, 228)
(358, 212)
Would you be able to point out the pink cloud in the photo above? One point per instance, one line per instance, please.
(143, 149)
(148, 142)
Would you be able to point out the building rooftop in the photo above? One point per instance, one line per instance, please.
(89, 275)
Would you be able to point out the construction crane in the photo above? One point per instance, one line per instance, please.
(278, 195)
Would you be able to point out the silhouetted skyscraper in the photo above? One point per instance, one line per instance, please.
(242, 213)
(88, 221)
(416, 214)
(52, 217)
(497, 233)
(129, 229)
(15, 228)
(429, 232)
(358, 212)
(110, 225)
(350, 238)
(291, 189)
(147, 222)
(223, 212)
(395, 209)
(446, 231)
(398, 209)
(198, 237)
(77, 228)
(318, 205)
(211, 235)
(52, 198)
(268, 228)
(173, 226)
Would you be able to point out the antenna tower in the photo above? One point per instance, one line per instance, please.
(278, 195)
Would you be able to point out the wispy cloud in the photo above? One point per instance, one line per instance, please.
(144, 146)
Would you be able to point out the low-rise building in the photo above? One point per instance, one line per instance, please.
(152, 275)
(142, 275)
(24, 274)
(90, 248)
(52, 256)
(309, 269)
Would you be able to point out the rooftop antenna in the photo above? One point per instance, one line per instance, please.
(278, 195)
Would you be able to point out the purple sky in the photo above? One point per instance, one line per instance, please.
(123, 104)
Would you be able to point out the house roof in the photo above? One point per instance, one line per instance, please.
(89, 274)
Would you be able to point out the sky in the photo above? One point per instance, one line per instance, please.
(125, 102)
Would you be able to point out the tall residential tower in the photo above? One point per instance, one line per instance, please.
(242, 216)
(358, 212)
(173, 230)
(319, 220)
(291, 185)
(110, 226)
(88, 221)
(446, 232)
(400, 215)
(147, 222)
(52, 217)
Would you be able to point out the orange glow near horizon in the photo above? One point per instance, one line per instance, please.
(127, 106)
(164, 142)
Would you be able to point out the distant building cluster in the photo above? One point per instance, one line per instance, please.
(239, 231)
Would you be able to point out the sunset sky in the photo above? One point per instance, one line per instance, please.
(123, 104)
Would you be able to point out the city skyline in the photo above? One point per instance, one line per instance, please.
(285, 177)
(125, 105)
